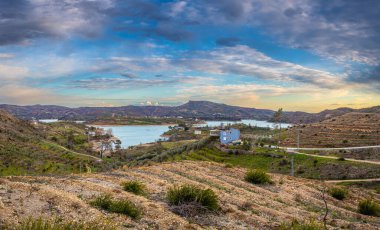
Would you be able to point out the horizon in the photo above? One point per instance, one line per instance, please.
(159, 105)
(298, 55)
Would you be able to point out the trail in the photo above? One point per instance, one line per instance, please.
(291, 151)
(71, 151)
(342, 148)
(354, 180)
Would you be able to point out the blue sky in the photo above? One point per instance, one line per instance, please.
(297, 54)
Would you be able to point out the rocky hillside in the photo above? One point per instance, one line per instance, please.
(350, 129)
(242, 205)
(25, 150)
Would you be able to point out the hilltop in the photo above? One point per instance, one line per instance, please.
(192, 109)
(25, 149)
(243, 205)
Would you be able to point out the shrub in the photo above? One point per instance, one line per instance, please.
(124, 206)
(341, 159)
(102, 202)
(258, 177)
(369, 207)
(135, 187)
(338, 193)
(228, 165)
(192, 194)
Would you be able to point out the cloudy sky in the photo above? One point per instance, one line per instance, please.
(297, 54)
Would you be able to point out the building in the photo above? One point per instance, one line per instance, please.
(197, 132)
(214, 133)
(229, 136)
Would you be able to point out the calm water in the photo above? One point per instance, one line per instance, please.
(257, 123)
(131, 135)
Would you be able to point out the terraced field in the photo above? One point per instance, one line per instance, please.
(351, 129)
(243, 205)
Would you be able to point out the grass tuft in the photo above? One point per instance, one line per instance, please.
(369, 207)
(123, 206)
(187, 194)
(338, 193)
(134, 187)
(256, 176)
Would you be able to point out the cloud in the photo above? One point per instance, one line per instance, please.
(22, 21)
(10, 72)
(6, 55)
(106, 83)
(227, 41)
(243, 60)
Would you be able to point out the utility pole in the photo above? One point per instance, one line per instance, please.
(298, 138)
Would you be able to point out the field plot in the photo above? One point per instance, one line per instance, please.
(352, 129)
(242, 205)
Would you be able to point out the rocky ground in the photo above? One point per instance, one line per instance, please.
(243, 205)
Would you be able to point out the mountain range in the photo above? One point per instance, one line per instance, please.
(192, 109)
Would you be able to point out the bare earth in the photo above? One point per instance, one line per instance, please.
(243, 205)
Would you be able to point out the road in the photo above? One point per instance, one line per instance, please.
(353, 180)
(71, 151)
(343, 148)
(291, 151)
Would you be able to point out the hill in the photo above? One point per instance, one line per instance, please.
(350, 129)
(25, 150)
(242, 205)
(193, 109)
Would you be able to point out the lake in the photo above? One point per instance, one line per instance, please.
(131, 135)
(264, 124)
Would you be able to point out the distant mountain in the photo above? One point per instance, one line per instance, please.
(192, 109)
(198, 109)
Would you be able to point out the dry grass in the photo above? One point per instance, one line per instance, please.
(242, 205)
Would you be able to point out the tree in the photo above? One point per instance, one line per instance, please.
(117, 145)
(70, 140)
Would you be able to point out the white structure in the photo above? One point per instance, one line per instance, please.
(197, 132)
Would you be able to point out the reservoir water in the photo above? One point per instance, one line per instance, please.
(131, 135)
(264, 124)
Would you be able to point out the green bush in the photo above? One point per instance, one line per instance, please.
(190, 193)
(295, 225)
(338, 193)
(258, 177)
(135, 187)
(124, 206)
(369, 207)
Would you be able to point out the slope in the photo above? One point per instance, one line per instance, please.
(243, 205)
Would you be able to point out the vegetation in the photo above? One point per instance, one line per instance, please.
(192, 194)
(135, 121)
(338, 193)
(106, 202)
(295, 225)
(57, 224)
(369, 207)
(256, 176)
(134, 187)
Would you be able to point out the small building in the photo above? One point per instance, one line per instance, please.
(214, 133)
(229, 136)
(197, 132)
(179, 128)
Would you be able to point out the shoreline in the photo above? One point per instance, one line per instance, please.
(165, 124)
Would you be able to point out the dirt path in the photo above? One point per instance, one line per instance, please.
(73, 152)
(354, 180)
(342, 148)
(291, 151)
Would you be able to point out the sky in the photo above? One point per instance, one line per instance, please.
(306, 55)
